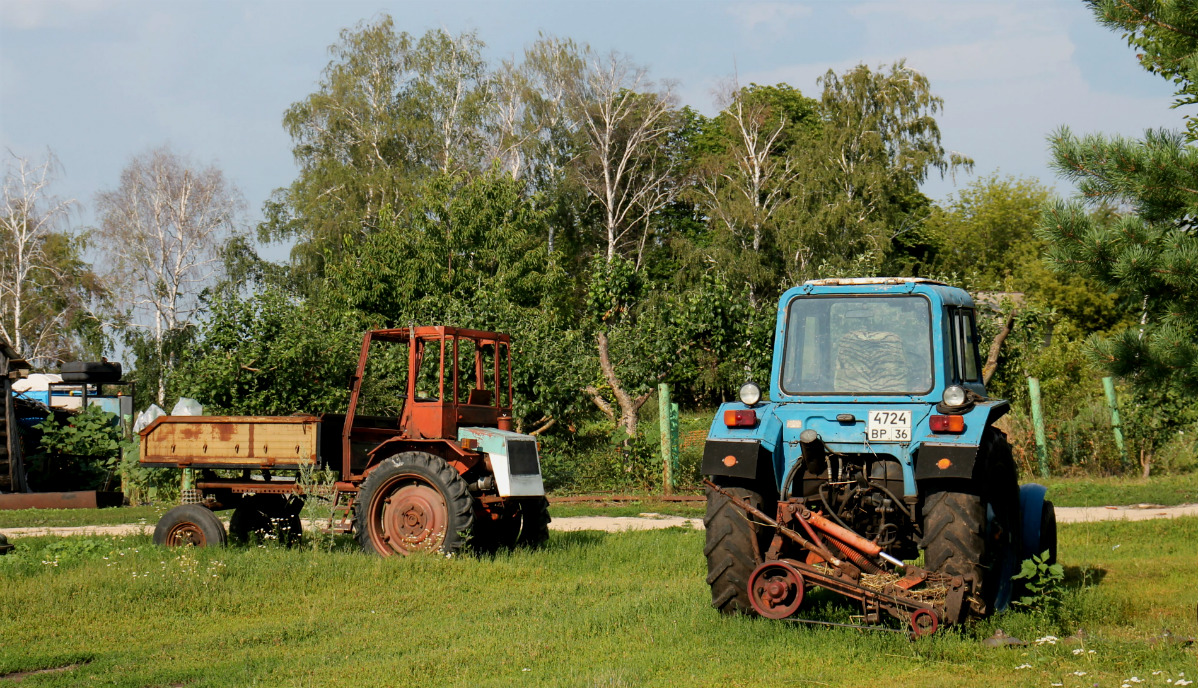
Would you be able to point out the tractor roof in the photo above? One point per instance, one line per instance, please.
(851, 281)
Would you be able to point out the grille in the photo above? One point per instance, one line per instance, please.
(522, 457)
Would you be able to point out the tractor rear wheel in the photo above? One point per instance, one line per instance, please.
(189, 524)
(976, 534)
(729, 546)
(411, 502)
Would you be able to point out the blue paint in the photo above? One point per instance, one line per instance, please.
(782, 416)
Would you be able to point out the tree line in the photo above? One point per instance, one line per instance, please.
(564, 196)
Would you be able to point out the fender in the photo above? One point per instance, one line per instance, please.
(461, 459)
(747, 453)
(955, 456)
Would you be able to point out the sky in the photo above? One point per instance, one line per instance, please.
(99, 82)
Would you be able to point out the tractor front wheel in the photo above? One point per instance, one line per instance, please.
(411, 502)
(729, 547)
(525, 524)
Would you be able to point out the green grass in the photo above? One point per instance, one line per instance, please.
(593, 609)
(1121, 491)
(53, 518)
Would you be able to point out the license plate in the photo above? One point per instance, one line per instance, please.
(889, 426)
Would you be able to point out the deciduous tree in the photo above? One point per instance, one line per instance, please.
(47, 291)
(160, 232)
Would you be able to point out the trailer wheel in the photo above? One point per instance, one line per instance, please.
(266, 517)
(189, 524)
(729, 547)
(411, 502)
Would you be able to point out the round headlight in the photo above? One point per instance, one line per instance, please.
(954, 396)
(750, 394)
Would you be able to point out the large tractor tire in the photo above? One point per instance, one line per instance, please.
(266, 517)
(729, 548)
(975, 532)
(412, 502)
(189, 524)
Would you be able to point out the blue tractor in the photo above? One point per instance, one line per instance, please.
(876, 445)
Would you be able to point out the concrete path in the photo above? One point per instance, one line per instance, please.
(616, 524)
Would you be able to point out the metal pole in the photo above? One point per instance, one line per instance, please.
(664, 433)
(1039, 426)
(674, 445)
(1110, 395)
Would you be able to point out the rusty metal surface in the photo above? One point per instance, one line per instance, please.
(88, 499)
(231, 441)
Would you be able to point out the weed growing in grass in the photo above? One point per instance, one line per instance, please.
(1042, 582)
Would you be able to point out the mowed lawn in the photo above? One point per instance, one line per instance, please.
(592, 609)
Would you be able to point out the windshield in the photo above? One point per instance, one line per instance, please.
(857, 345)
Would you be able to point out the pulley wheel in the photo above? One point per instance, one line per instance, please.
(776, 589)
(923, 622)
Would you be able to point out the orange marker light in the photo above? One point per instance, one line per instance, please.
(740, 419)
(943, 464)
(946, 423)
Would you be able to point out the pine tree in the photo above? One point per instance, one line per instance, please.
(1145, 252)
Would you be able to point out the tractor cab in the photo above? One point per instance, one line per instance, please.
(425, 383)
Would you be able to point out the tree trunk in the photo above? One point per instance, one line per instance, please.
(993, 358)
(625, 404)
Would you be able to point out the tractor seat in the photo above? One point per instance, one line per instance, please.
(480, 397)
(870, 363)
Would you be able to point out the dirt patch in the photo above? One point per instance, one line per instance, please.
(652, 521)
(18, 676)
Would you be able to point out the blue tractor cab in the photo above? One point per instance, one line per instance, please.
(877, 423)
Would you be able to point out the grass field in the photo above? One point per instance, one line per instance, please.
(1159, 489)
(592, 609)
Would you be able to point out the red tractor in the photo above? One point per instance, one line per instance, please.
(424, 458)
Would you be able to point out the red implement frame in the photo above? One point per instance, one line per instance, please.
(820, 539)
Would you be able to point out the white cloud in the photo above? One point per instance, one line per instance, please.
(774, 16)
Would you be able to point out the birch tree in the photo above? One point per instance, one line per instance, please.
(747, 183)
(44, 286)
(626, 171)
(160, 231)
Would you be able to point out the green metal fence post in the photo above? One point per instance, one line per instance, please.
(1039, 426)
(664, 433)
(1110, 395)
(674, 464)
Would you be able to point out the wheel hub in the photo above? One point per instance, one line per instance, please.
(186, 533)
(413, 517)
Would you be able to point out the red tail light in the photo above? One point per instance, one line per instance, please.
(740, 419)
(946, 423)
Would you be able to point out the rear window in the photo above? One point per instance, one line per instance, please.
(857, 345)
